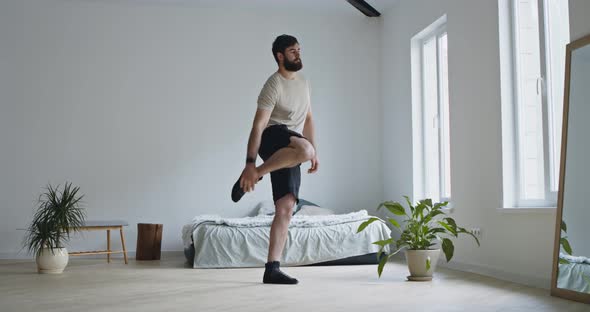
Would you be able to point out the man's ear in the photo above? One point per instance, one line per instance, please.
(280, 57)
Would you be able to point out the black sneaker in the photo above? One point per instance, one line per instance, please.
(237, 192)
(273, 275)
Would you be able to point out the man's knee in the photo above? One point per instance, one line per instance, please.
(284, 206)
(305, 150)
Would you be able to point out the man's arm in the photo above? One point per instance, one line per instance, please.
(309, 133)
(249, 174)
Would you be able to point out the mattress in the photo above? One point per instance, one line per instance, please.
(310, 240)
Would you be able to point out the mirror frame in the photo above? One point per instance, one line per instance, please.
(562, 292)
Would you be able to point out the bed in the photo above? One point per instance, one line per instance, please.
(314, 238)
(574, 275)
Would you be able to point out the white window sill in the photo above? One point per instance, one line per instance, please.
(527, 209)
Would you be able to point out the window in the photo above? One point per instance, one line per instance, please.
(430, 113)
(533, 35)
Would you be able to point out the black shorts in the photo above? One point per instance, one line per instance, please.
(286, 180)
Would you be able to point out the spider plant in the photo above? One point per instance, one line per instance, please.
(59, 213)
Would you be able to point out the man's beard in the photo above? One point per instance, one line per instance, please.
(293, 66)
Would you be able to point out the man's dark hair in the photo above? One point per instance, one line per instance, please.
(281, 43)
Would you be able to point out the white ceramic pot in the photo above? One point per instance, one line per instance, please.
(52, 262)
(416, 260)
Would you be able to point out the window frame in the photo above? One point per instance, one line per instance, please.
(435, 32)
(512, 192)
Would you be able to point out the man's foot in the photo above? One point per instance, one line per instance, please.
(273, 275)
(237, 192)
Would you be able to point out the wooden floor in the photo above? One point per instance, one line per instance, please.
(93, 285)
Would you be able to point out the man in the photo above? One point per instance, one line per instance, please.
(283, 135)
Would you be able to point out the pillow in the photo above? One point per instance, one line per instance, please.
(303, 202)
(307, 210)
(267, 207)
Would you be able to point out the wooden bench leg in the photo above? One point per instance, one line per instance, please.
(109, 246)
(123, 244)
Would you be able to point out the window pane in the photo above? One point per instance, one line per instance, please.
(557, 36)
(444, 118)
(529, 108)
(430, 109)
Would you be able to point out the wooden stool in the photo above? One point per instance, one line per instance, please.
(102, 226)
(149, 241)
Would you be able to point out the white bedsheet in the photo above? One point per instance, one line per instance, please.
(574, 259)
(243, 242)
(574, 276)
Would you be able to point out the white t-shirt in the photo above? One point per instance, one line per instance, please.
(289, 101)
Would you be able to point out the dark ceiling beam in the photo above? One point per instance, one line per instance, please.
(364, 7)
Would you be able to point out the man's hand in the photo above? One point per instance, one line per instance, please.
(249, 177)
(315, 164)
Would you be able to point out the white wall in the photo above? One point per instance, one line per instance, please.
(148, 107)
(123, 99)
(513, 246)
(579, 22)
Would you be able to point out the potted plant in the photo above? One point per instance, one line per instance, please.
(58, 214)
(425, 226)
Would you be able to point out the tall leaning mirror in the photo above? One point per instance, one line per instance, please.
(571, 257)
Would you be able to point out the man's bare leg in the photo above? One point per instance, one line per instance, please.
(280, 226)
(299, 151)
(278, 237)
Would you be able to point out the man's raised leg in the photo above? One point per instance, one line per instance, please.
(297, 152)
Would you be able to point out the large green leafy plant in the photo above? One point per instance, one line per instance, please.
(565, 244)
(425, 226)
(58, 214)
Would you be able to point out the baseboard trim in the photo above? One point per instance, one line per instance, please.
(489, 271)
(492, 272)
(14, 256)
(130, 255)
(500, 274)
